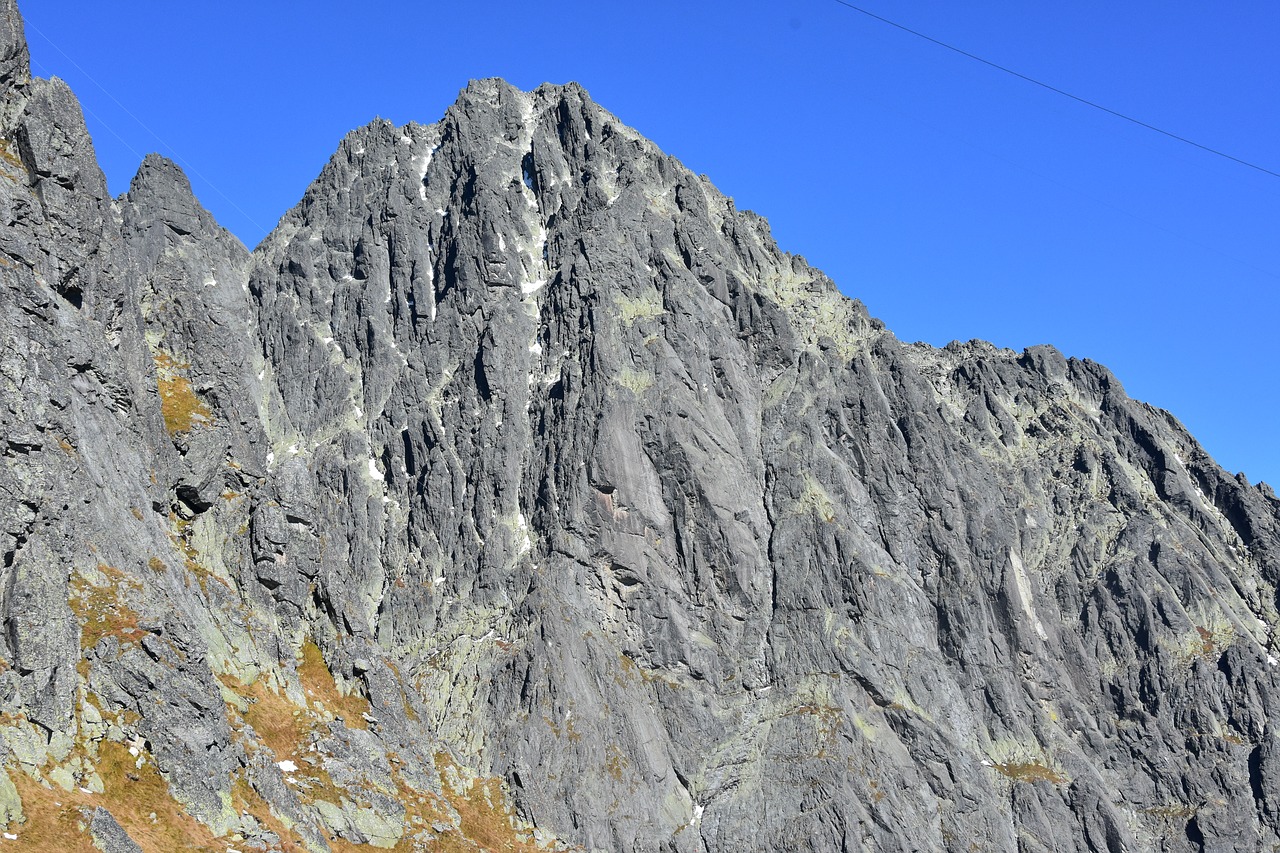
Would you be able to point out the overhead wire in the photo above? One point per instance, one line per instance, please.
(1071, 188)
(1056, 90)
(187, 165)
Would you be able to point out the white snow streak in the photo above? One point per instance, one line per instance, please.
(526, 544)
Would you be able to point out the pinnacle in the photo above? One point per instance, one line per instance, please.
(15, 56)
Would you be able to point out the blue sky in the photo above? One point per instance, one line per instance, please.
(955, 201)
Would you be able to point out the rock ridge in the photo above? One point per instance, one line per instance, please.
(518, 492)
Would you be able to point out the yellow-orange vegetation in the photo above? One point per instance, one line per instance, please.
(1030, 771)
(245, 799)
(485, 818)
(9, 155)
(318, 684)
(179, 405)
(132, 794)
(100, 611)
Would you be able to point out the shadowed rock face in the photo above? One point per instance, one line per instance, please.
(519, 488)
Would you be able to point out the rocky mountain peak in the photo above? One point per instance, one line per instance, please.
(518, 492)
(163, 191)
(15, 56)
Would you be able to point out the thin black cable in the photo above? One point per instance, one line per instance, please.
(176, 156)
(1055, 89)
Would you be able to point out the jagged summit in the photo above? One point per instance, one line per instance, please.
(15, 56)
(518, 492)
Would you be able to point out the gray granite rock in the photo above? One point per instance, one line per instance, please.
(516, 450)
(108, 836)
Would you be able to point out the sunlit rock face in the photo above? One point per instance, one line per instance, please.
(518, 492)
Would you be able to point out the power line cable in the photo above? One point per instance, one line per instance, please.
(36, 65)
(172, 150)
(1071, 188)
(1056, 90)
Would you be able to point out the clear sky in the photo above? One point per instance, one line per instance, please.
(957, 202)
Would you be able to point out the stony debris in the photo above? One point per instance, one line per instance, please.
(519, 493)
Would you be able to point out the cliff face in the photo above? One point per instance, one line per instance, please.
(519, 492)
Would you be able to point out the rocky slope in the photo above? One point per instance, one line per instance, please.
(518, 492)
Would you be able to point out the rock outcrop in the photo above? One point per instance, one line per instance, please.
(519, 493)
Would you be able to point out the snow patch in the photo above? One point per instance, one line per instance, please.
(526, 544)
(374, 473)
(287, 766)
(527, 287)
(424, 163)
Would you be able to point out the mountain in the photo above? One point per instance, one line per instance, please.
(519, 493)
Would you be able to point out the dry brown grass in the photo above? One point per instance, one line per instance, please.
(53, 820)
(617, 763)
(100, 611)
(317, 682)
(287, 730)
(485, 817)
(483, 814)
(1172, 811)
(279, 724)
(11, 158)
(245, 799)
(139, 797)
(9, 155)
(132, 794)
(179, 405)
(1030, 771)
